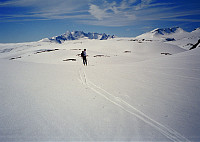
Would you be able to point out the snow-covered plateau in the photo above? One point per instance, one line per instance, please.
(133, 89)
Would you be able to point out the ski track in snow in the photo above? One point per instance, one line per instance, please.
(166, 131)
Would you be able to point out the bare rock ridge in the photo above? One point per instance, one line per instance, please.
(195, 45)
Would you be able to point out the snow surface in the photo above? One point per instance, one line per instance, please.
(128, 92)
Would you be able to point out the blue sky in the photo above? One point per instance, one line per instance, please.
(32, 20)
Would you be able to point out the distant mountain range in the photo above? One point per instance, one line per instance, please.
(175, 35)
(75, 35)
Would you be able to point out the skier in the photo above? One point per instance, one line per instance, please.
(83, 55)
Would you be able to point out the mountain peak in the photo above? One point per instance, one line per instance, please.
(197, 29)
(75, 35)
(164, 31)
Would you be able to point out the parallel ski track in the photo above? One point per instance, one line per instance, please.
(166, 131)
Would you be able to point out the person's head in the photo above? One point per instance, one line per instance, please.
(84, 49)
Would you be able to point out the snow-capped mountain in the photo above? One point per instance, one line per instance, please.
(175, 35)
(163, 33)
(75, 35)
(168, 31)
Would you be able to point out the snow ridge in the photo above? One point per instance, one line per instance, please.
(163, 32)
(175, 35)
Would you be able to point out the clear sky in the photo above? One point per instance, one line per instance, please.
(32, 20)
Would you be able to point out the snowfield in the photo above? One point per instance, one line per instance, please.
(131, 90)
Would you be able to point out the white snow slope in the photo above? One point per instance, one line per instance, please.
(128, 92)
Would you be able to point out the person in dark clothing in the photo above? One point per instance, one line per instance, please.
(84, 55)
